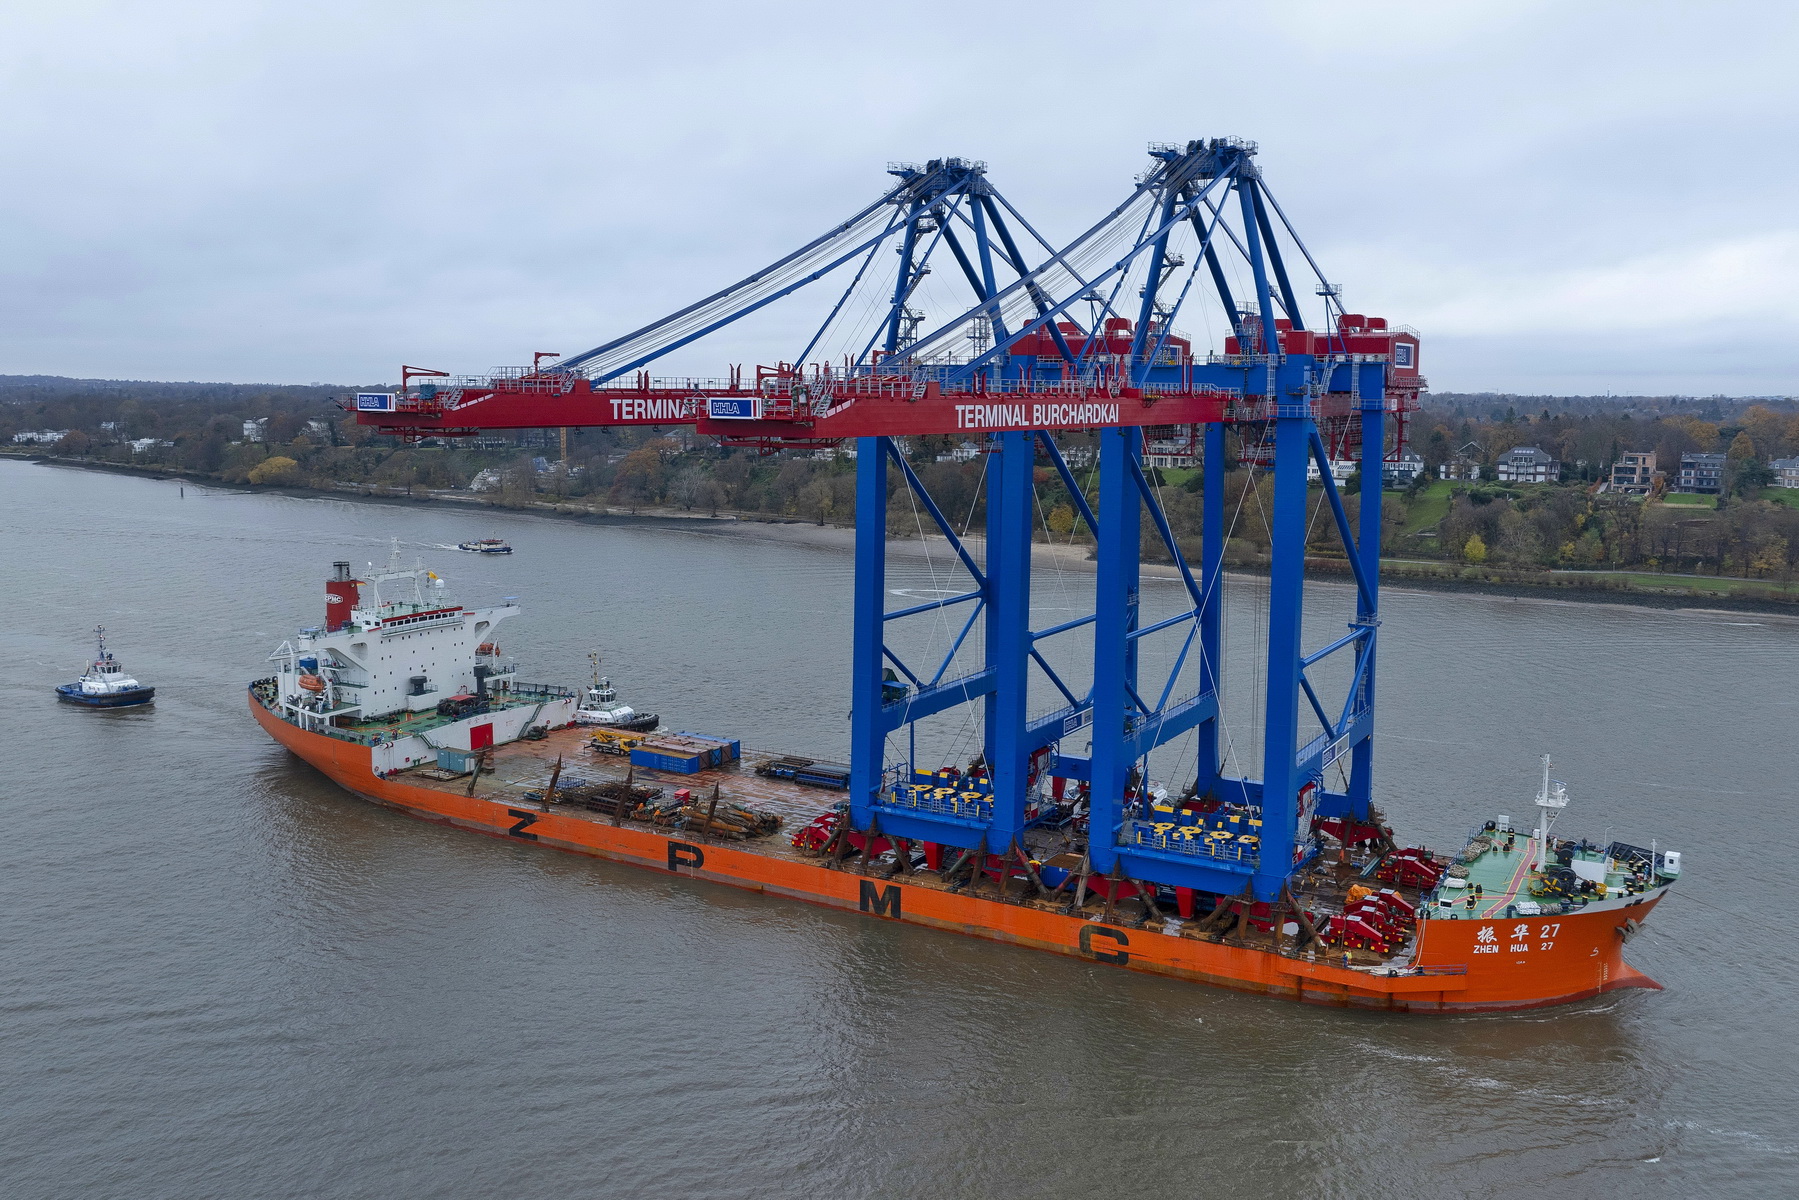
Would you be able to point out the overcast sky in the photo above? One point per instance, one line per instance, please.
(1567, 197)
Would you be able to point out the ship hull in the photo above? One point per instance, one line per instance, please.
(1526, 963)
(72, 694)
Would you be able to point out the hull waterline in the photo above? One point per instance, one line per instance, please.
(1515, 964)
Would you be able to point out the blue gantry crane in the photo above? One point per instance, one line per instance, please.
(1044, 339)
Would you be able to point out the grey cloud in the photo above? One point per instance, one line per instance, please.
(257, 193)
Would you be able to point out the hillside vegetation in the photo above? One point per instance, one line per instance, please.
(1472, 529)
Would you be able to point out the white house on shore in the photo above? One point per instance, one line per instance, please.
(1400, 472)
(1528, 464)
(1170, 454)
(1341, 470)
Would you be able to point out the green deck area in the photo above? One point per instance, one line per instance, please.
(399, 725)
(1503, 878)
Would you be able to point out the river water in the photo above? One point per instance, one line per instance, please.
(224, 977)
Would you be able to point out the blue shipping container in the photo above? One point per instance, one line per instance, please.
(685, 764)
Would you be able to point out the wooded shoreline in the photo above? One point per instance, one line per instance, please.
(1600, 586)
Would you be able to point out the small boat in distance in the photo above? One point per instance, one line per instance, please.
(600, 706)
(485, 546)
(105, 685)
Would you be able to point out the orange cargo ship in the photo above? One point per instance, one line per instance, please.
(405, 699)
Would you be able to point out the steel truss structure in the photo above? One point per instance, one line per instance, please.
(1077, 337)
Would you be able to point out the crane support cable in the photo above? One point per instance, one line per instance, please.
(750, 292)
(1018, 299)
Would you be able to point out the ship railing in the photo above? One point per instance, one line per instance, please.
(685, 383)
(917, 796)
(329, 730)
(350, 735)
(1479, 829)
(1071, 388)
(1186, 840)
(532, 380)
(536, 691)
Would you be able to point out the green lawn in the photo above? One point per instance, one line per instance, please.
(1689, 500)
(1786, 496)
(1430, 506)
(1721, 586)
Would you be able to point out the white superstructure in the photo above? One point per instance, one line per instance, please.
(105, 676)
(402, 666)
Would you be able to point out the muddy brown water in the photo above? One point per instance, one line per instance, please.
(224, 977)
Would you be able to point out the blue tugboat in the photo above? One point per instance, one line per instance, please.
(105, 685)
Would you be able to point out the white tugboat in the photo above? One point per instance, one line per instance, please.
(600, 706)
(105, 685)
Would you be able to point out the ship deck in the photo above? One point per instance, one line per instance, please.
(395, 726)
(1503, 877)
(521, 772)
(1500, 876)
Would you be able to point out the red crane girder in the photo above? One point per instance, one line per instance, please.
(787, 407)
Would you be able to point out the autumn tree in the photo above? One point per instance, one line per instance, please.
(643, 476)
(277, 469)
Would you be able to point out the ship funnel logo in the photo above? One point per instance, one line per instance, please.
(333, 598)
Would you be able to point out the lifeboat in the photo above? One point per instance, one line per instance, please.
(312, 683)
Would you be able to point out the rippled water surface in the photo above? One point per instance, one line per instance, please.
(224, 977)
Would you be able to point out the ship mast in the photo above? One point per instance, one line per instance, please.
(1550, 802)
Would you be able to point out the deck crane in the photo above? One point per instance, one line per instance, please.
(1199, 231)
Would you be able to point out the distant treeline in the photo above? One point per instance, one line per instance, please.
(293, 435)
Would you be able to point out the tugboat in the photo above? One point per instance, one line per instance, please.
(600, 706)
(485, 546)
(105, 685)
